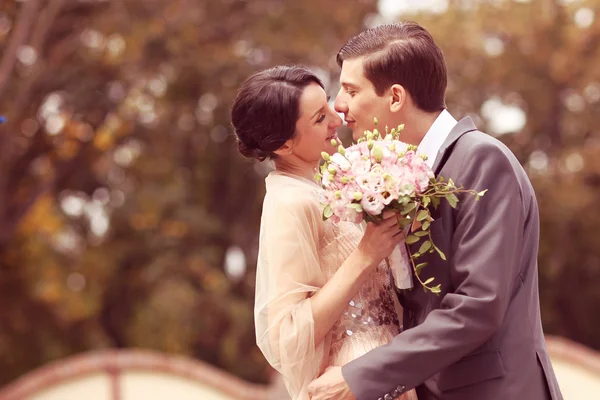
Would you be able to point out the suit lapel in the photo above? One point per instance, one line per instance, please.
(463, 126)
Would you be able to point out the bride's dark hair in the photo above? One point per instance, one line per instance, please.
(266, 108)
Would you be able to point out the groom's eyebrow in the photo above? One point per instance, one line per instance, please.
(349, 85)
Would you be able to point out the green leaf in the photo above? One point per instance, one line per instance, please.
(435, 201)
(428, 281)
(395, 205)
(419, 267)
(436, 289)
(408, 208)
(411, 239)
(425, 246)
(421, 233)
(423, 214)
(425, 225)
(426, 201)
(403, 223)
(441, 253)
(452, 199)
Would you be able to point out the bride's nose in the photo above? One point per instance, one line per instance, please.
(335, 121)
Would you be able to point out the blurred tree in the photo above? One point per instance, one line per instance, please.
(120, 188)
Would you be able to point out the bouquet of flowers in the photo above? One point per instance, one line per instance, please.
(381, 173)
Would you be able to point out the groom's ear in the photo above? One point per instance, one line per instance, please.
(397, 97)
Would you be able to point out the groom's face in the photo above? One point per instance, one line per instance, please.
(358, 101)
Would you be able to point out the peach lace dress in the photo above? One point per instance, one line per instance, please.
(298, 253)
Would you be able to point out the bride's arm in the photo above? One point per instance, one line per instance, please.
(290, 276)
(331, 301)
(295, 306)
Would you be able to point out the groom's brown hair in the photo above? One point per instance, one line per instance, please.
(405, 54)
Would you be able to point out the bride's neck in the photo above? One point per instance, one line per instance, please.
(303, 170)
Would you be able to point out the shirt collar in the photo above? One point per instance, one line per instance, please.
(436, 136)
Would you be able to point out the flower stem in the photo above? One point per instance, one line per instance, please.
(412, 261)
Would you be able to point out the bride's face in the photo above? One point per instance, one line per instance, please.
(316, 126)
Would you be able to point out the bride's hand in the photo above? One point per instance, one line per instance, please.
(380, 239)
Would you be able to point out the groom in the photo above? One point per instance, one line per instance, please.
(481, 338)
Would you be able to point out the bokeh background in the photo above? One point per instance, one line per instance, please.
(128, 220)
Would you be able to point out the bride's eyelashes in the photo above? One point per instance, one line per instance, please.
(322, 116)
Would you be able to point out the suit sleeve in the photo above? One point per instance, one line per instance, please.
(486, 251)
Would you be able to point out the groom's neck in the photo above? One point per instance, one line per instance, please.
(416, 125)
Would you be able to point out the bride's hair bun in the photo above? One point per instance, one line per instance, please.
(252, 153)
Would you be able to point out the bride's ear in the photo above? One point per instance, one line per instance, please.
(285, 150)
(398, 97)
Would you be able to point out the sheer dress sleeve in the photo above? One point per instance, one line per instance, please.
(288, 273)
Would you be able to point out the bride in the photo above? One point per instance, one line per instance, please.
(323, 290)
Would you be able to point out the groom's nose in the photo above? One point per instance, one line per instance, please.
(340, 104)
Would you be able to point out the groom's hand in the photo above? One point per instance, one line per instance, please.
(330, 386)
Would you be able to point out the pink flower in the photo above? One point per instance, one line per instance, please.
(389, 158)
(372, 179)
(422, 174)
(422, 181)
(407, 159)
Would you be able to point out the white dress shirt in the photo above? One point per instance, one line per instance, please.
(430, 145)
(436, 136)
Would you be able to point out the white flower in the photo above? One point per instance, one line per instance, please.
(340, 161)
(372, 203)
(361, 167)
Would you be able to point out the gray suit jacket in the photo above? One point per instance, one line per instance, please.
(482, 338)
